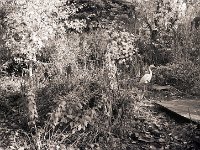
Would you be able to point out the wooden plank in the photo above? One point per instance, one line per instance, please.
(189, 109)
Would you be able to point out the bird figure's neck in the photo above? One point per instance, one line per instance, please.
(150, 72)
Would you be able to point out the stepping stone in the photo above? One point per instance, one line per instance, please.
(189, 109)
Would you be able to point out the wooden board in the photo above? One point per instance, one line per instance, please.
(189, 109)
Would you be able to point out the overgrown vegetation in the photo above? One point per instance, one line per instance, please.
(70, 72)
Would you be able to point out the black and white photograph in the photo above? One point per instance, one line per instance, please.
(99, 74)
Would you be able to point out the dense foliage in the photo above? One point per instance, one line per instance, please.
(70, 70)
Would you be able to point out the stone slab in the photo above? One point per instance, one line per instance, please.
(189, 109)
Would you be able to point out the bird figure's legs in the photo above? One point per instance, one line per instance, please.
(144, 91)
(144, 88)
(141, 95)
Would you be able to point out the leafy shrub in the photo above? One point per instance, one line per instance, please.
(15, 65)
(84, 110)
(182, 75)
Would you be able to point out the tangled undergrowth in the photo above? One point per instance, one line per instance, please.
(85, 114)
